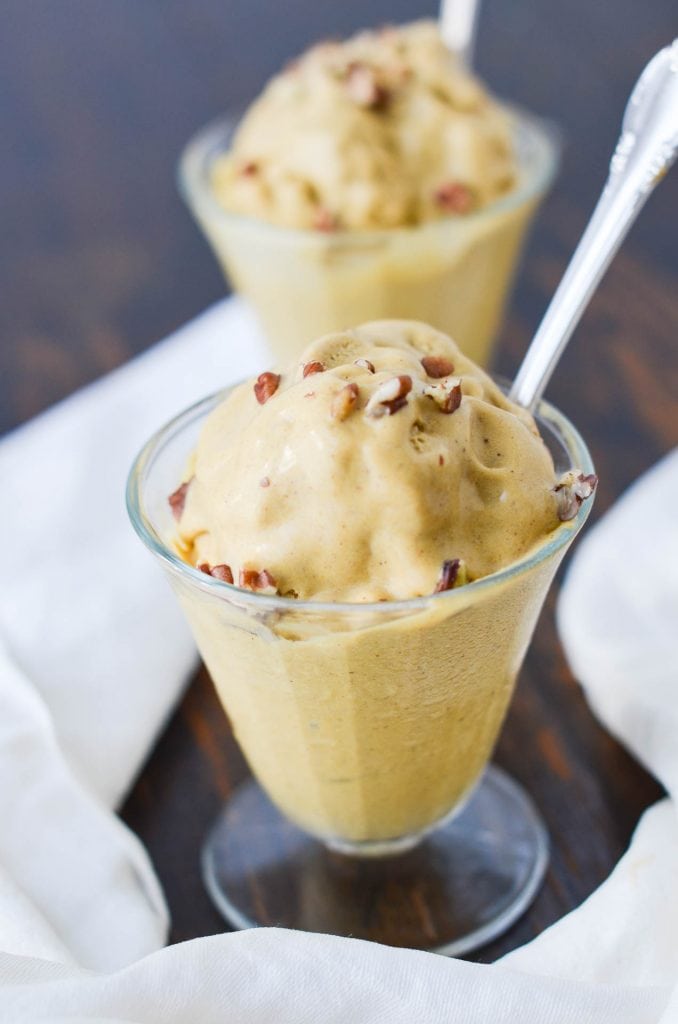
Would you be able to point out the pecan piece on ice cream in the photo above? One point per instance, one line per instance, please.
(389, 396)
(266, 386)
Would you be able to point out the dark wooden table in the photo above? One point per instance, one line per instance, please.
(98, 259)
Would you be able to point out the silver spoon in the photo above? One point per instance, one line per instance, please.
(647, 147)
(458, 20)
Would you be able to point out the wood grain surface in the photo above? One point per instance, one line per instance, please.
(98, 259)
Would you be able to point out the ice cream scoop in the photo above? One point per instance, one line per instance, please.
(372, 178)
(383, 465)
(387, 129)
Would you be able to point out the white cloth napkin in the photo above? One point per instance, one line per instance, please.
(93, 648)
(93, 653)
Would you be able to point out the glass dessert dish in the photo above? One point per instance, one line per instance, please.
(454, 273)
(369, 729)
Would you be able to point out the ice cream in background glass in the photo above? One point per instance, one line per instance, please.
(362, 545)
(372, 178)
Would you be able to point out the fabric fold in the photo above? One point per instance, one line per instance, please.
(93, 655)
(618, 617)
(89, 622)
(264, 975)
(92, 891)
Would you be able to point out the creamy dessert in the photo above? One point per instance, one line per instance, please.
(382, 467)
(355, 475)
(373, 177)
(385, 130)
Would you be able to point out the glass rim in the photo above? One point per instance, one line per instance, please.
(198, 155)
(566, 433)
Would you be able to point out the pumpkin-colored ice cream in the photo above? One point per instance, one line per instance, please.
(372, 177)
(384, 130)
(343, 497)
(383, 466)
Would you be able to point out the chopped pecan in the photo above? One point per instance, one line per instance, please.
(177, 499)
(325, 220)
(364, 364)
(222, 572)
(265, 386)
(568, 504)
(219, 572)
(313, 367)
(345, 401)
(453, 197)
(437, 366)
(364, 89)
(453, 399)
(572, 491)
(249, 169)
(448, 398)
(389, 396)
(448, 575)
(266, 582)
(585, 485)
(262, 582)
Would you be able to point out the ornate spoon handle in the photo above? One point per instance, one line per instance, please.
(647, 147)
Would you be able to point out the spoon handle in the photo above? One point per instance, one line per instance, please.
(458, 21)
(647, 147)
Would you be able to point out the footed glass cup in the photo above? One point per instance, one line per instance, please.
(368, 728)
(454, 273)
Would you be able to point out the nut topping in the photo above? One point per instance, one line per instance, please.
(437, 366)
(313, 367)
(572, 491)
(325, 220)
(364, 89)
(266, 386)
(586, 485)
(345, 401)
(249, 169)
(568, 506)
(219, 572)
(364, 364)
(448, 575)
(248, 578)
(453, 197)
(177, 499)
(448, 398)
(389, 396)
(261, 582)
(453, 399)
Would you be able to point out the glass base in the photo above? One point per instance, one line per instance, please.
(463, 885)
